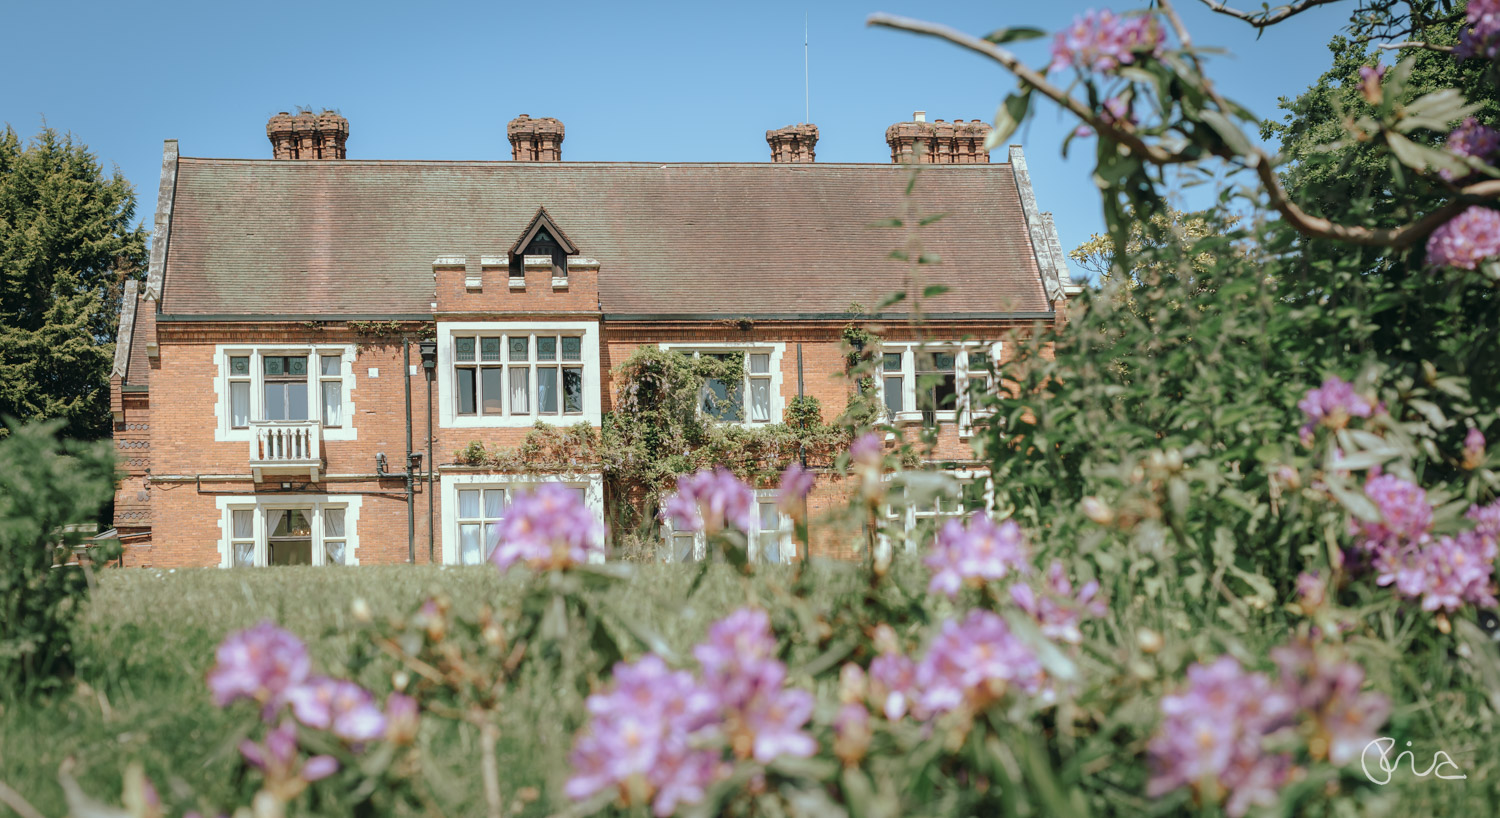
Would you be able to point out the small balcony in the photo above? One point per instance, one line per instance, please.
(286, 447)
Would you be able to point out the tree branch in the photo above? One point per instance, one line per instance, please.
(1257, 159)
(1025, 73)
(1270, 17)
(1441, 49)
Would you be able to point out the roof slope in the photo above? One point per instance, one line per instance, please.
(358, 237)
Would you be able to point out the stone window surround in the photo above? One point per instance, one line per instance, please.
(700, 542)
(222, 352)
(777, 350)
(448, 417)
(910, 414)
(315, 502)
(449, 484)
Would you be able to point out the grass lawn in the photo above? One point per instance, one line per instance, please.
(148, 637)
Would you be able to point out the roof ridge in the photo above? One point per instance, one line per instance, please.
(787, 166)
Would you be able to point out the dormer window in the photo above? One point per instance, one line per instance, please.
(542, 247)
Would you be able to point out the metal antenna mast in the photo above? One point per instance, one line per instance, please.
(806, 86)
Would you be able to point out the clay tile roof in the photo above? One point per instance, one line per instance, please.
(358, 237)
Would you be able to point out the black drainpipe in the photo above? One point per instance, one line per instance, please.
(411, 509)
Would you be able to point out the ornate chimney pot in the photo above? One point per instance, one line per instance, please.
(535, 140)
(938, 142)
(794, 143)
(306, 135)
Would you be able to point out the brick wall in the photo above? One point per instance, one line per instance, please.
(176, 429)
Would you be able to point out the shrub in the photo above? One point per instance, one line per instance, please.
(47, 488)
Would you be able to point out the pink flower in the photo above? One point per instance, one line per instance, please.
(867, 451)
(639, 739)
(710, 501)
(1100, 41)
(1331, 405)
(277, 757)
(1370, 77)
(893, 682)
(1056, 609)
(341, 707)
(796, 483)
(974, 662)
(1329, 692)
(402, 719)
(739, 656)
(1473, 448)
(1481, 38)
(1213, 732)
(261, 664)
(1405, 514)
(775, 719)
(981, 552)
(1471, 139)
(1466, 240)
(549, 528)
(851, 733)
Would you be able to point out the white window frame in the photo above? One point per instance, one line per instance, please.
(257, 353)
(449, 484)
(314, 504)
(448, 416)
(908, 516)
(784, 528)
(963, 415)
(776, 350)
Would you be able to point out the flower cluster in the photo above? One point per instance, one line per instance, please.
(1444, 572)
(796, 483)
(1055, 607)
(659, 736)
(549, 528)
(1471, 139)
(1331, 405)
(974, 662)
(976, 553)
(709, 501)
(1482, 36)
(1100, 41)
(1230, 733)
(969, 664)
(1466, 240)
(269, 666)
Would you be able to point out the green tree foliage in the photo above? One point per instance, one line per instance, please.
(45, 486)
(1332, 172)
(66, 248)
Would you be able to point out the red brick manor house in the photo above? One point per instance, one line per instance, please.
(262, 421)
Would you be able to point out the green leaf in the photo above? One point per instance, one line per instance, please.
(891, 300)
(1421, 157)
(1008, 118)
(1014, 34)
(933, 219)
(1228, 131)
(933, 290)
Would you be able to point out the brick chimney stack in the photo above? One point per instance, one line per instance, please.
(535, 140)
(794, 143)
(307, 135)
(938, 143)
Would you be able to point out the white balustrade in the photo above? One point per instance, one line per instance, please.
(285, 446)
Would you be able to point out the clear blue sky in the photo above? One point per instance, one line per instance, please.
(699, 81)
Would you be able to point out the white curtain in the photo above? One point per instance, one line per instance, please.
(333, 523)
(273, 519)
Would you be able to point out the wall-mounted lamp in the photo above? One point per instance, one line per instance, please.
(428, 349)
